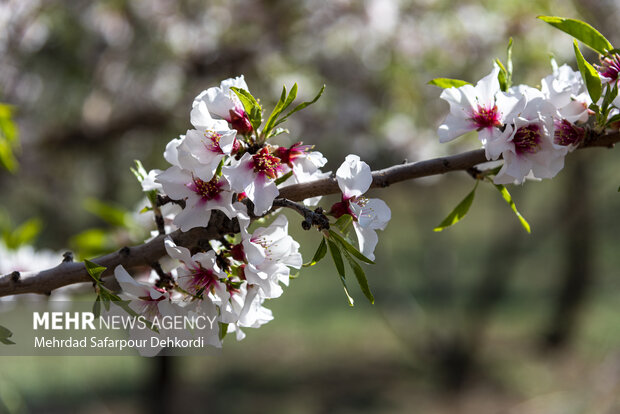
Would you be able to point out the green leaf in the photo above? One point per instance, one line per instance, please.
(319, 254)
(92, 242)
(114, 215)
(615, 118)
(9, 141)
(589, 75)
(581, 31)
(139, 171)
(300, 107)
(335, 252)
(505, 72)
(446, 83)
(459, 211)
(94, 270)
(349, 247)
(5, 334)
(285, 177)
(284, 102)
(97, 307)
(223, 330)
(344, 223)
(360, 276)
(24, 234)
(251, 107)
(508, 198)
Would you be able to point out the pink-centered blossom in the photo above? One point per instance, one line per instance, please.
(354, 179)
(476, 108)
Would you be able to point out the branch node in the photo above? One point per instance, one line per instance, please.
(15, 277)
(125, 251)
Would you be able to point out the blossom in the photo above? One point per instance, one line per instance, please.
(354, 178)
(609, 69)
(269, 252)
(480, 108)
(223, 103)
(201, 196)
(305, 166)
(565, 89)
(200, 274)
(527, 145)
(147, 301)
(254, 175)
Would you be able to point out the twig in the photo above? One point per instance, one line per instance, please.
(68, 273)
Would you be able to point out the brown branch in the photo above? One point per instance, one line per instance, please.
(410, 171)
(68, 273)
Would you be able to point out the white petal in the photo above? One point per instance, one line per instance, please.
(129, 284)
(375, 214)
(354, 176)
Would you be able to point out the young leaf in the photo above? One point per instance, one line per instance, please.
(615, 118)
(581, 31)
(223, 330)
(319, 254)
(284, 102)
(97, 307)
(285, 177)
(589, 75)
(360, 276)
(502, 76)
(139, 171)
(300, 107)
(8, 138)
(251, 107)
(343, 223)
(506, 195)
(5, 334)
(349, 247)
(459, 211)
(335, 252)
(446, 83)
(109, 213)
(94, 270)
(24, 234)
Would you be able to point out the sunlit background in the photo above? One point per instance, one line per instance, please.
(481, 318)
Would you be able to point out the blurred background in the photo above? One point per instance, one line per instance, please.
(481, 318)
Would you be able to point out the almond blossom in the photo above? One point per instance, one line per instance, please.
(200, 196)
(254, 175)
(223, 103)
(354, 179)
(479, 108)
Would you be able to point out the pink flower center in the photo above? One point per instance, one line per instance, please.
(266, 163)
(344, 207)
(207, 190)
(567, 133)
(213, 142)
(203, 279)
(527, 139)
(610, 67)
(486, 117)
(288, 155)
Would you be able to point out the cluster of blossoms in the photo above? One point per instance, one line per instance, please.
(531, 129)
(226, 164)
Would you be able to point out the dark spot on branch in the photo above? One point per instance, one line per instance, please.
(125, 251)
(15, 277)
(67, 257)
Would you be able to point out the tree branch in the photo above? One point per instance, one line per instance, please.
(68, 273)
